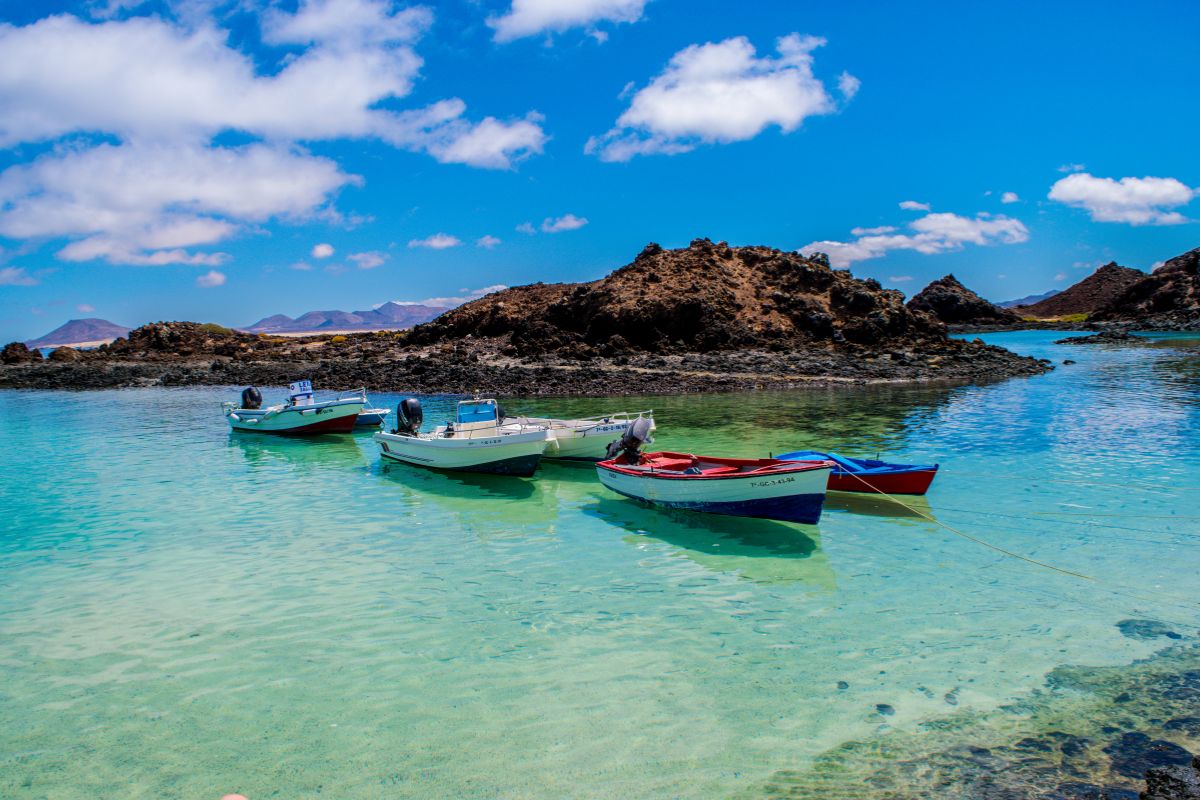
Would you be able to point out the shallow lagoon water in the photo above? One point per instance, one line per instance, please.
(186, 612)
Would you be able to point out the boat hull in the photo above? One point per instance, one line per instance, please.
(868, 476)
(371, 418)
(789, 496)
(915, 482)
(512, 454)
(333, 417)
(582, 439)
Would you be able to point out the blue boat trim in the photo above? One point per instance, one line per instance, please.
(857, 466)
(802, 508)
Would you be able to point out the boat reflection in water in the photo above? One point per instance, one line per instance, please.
(326, 453)
(900, 508)
(760, 550)
(488, 506)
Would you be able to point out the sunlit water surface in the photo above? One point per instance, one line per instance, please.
(186, 612)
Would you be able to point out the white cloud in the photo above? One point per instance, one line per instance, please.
(913, 205)
(873, 231)
(899, 278)
(487, 242)
(531, 17)
(526, 227)
(369, 259)
(85, 308)
(1136, 201)
(718, 93)
(301, 266)
(163, 90)
(466, 296)
(323, 250)
(848, 85)
(490, 143)
(211, 279)
(567, 222)
(1062, 276)
(147, 203)
(1071, 168)
(932, 233)
(16, 276)
(438, 241)
(1009, 197)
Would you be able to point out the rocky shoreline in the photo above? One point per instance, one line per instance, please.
(705, 318)
(473, 367)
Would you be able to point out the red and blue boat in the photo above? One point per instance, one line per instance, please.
(767, 488)
(866, 475)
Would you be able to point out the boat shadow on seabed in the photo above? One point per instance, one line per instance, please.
(760, 550)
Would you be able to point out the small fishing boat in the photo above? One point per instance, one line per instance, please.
(371, 417)
(476, 441)
(301, 414)
(871, 476)
(770, 488)
(584, 439)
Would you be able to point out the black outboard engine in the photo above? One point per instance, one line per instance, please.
(629, 445)
(251, 398)
(409, 417)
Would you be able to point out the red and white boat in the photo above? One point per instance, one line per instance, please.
(302, 414)
(769, 488)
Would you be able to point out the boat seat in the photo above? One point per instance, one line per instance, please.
(672, 464)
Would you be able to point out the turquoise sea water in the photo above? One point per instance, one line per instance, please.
(186, 612)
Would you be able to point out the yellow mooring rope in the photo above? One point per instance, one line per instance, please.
(971, 538)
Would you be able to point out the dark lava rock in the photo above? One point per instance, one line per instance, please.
(1135, 753)
(65, 354)
(954, 304)
(1145, 629)
(1166, 299)
(1098, 338)
(1175, 782)
(885, 710)
(1068, 361)
(1187, 725)
(1087, 791)
(18, 353)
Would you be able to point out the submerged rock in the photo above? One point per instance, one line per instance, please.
(1145, 629)
(1176, 782)
(1135, 753)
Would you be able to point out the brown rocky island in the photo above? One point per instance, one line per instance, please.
(708, 317)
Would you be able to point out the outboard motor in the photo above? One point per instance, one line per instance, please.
(251, 398)
(409, 417)
(629, 445)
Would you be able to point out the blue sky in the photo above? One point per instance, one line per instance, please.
(199, 160)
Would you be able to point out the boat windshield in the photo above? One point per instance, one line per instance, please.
(476, 411)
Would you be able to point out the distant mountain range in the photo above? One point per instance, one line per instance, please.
(79, 331)
(389, 316)
(1029, 300)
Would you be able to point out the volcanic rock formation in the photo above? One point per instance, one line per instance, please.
(1166, 299)
(1089, 295)
(704, 298)
(954, 304)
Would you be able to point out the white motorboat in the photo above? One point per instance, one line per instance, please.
(584, 439)
(301, 414)
(476, 441)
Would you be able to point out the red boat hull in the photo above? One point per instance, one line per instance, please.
(914, 482)
(339, 425)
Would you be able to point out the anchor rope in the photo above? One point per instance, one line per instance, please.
(1112, 588)
(969, 537)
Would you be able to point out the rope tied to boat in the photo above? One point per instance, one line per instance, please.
(971, 538)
